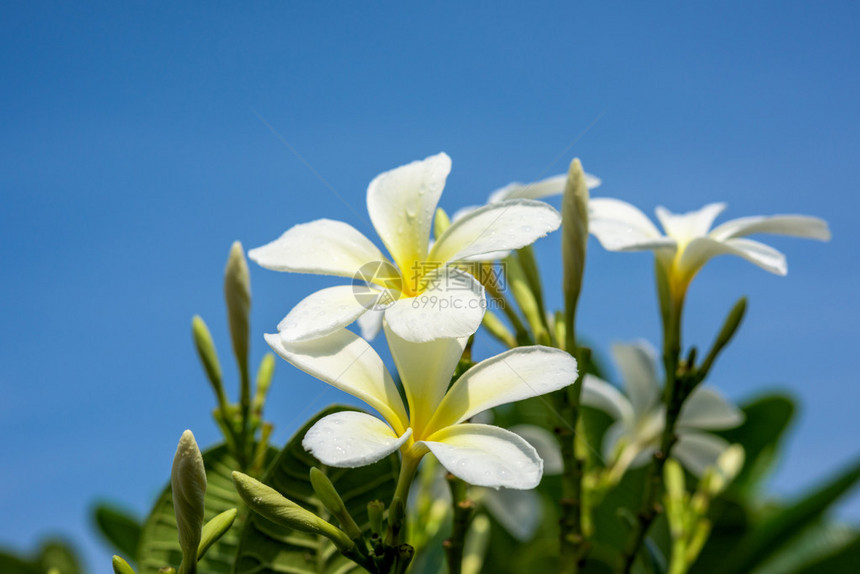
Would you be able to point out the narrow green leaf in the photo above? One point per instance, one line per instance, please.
(766, 539)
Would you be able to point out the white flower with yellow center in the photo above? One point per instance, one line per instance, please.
(690, 242)
(401, 204)
(435, 421)
(640, 416)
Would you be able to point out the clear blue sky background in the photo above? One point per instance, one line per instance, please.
(132, 153)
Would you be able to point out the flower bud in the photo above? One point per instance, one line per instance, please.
(375, 514)
(264, 380)
(214, 530)
(268, 503)
(237, 292)
(574, 225)
(497, 329)
(208, 356)
(120, 566)
(188, 483)
(330, 498)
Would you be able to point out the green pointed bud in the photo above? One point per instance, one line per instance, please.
(214, 530)
(673, 476)
(120, 566)
(264, 381)
(375, 513)
(560, 328)
(441, 223)
(526, 299)
(208, 356)
(497, 329)
(237, 292)
(268, 503)
(529, 266)
(188, 484)
(330, 498)
(574, 226)
(730, 327)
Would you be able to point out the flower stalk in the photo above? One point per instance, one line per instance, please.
(574, 210)
(463, 508)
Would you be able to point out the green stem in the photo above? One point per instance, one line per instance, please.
(674, 395)
(247, 441)
(462, 513)
(572, 541)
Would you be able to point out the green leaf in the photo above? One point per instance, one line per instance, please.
(158, 540)
(53, 553)
(844, 560)
(119, 528)
(266, 548)
(818, 542)
(767, 419)
(12, 564)
(763, 541)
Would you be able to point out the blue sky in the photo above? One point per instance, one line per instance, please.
(139, 140)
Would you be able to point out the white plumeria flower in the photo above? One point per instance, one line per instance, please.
(483, 455)
(689, 240)
(401, 204)
(640, 416)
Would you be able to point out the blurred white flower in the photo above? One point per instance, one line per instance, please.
(690, 242)
(640, 416)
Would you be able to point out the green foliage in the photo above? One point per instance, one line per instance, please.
(53, 555)
(767, 419)
(120, 529)
(782, 526)
(266, 548)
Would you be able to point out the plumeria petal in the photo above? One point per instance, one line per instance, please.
(402, 202)
(370, 324)
(346, 361)
(324, 312)
(451, 305)
(638, 365)
(683, 227)
(599, 394)
(323, 247)
(514, 375)
(620, 226)
(518, 511)
(545, 444)
(697, 451)
(485, 455)
(538, 190)
(496, 227)
(425, 371)
(793, 225)
(703, 248)
(707, 409)
(350, 439)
